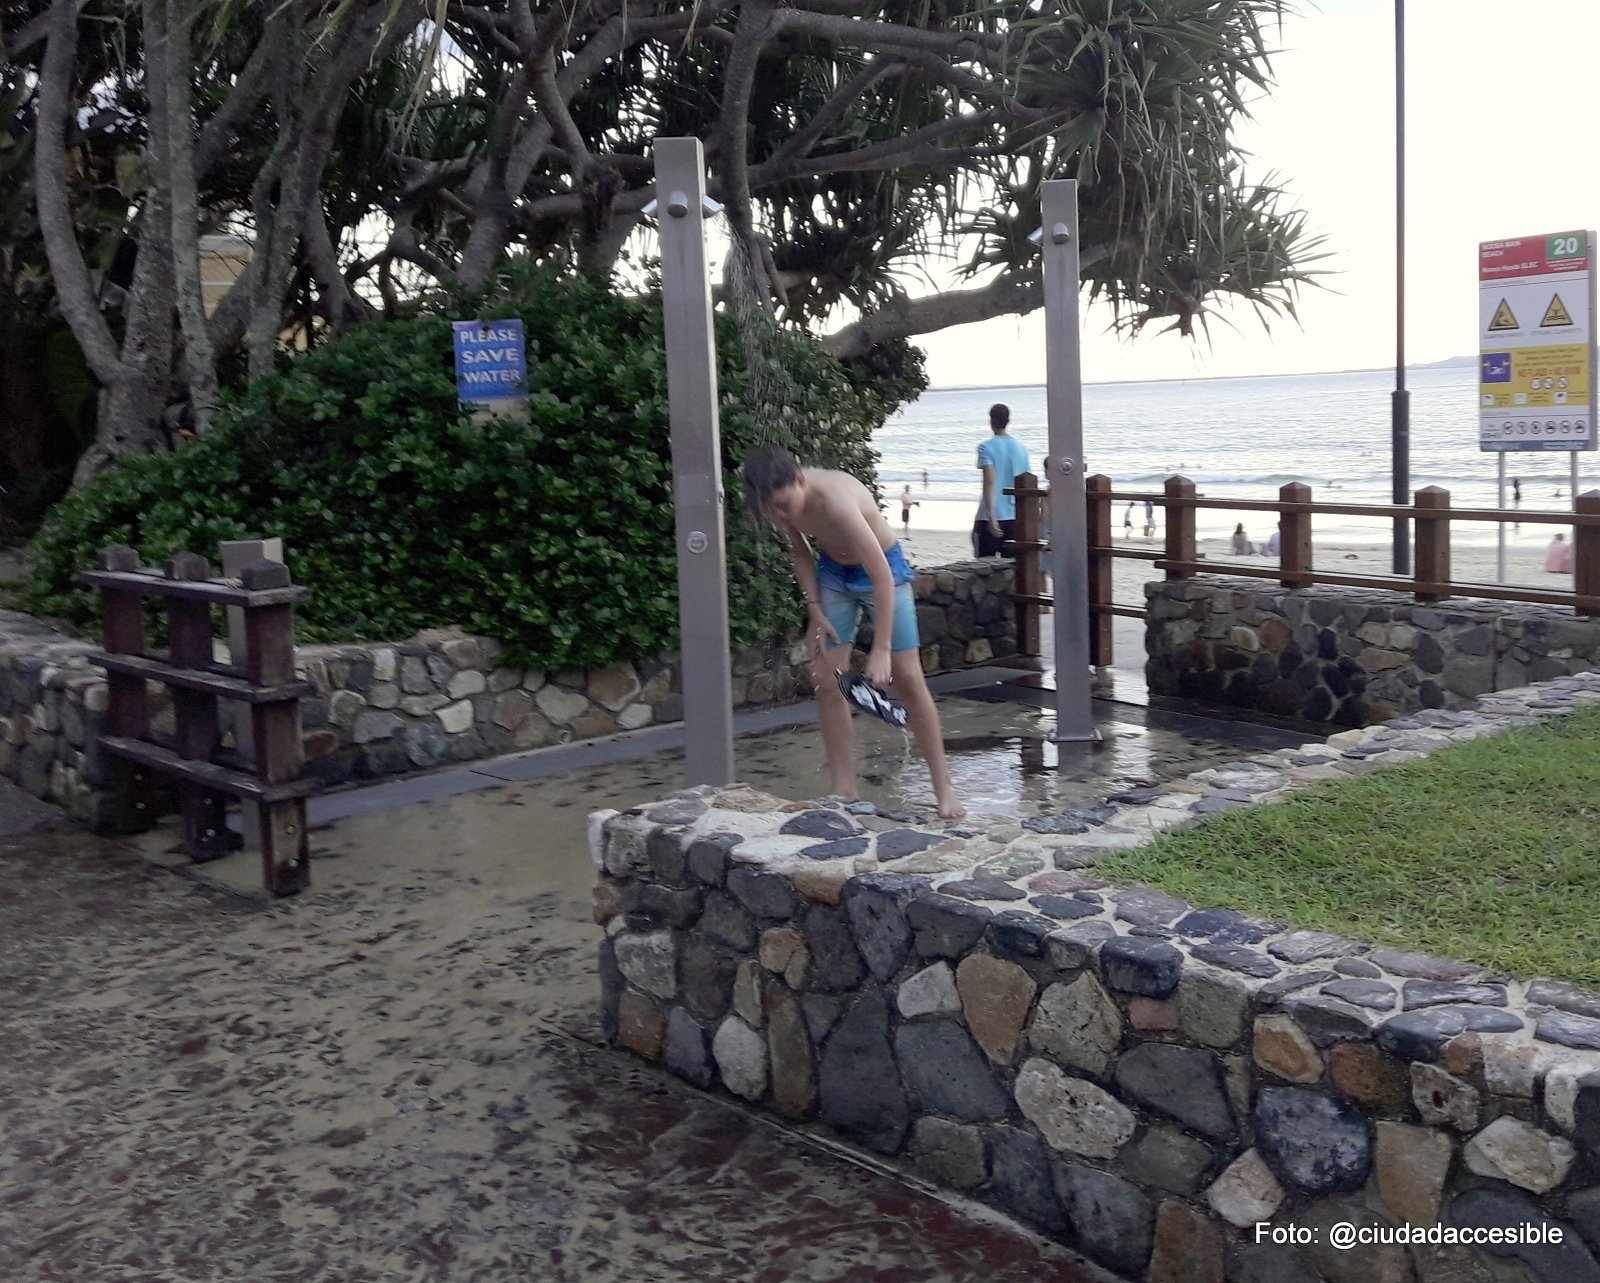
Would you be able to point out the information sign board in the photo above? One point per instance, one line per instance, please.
(1536, 376)
(491, 363)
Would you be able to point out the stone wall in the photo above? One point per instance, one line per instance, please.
(1349, 656)
(1167, 1088)
(382, 708)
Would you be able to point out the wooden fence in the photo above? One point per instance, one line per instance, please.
(206, 775)
(1295, 509)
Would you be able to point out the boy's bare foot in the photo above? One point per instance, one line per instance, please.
(950, 807)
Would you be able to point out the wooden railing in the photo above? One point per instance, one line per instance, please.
(266, 683)
(1295, 508)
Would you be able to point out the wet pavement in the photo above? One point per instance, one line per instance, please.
(396, 1076)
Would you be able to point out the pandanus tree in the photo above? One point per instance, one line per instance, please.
(374, 149)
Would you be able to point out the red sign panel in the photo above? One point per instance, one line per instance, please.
(1533, 256)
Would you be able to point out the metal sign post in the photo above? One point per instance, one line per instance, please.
(696, 462)
(1069, 520)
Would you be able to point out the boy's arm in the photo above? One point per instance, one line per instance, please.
(805, 571)
(988, 498)
(986, 466)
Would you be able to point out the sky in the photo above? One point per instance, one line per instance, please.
(1499, 143)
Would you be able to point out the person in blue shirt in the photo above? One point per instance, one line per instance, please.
(1000, 459)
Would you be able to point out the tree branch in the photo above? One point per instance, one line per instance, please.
(901, 318)
(74, 293)
(249, 87)
(907, 149)
(861, 33)
(340, 304)
(1015, 292)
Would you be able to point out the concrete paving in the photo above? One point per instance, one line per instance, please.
(398, 1075)
(395, 1076)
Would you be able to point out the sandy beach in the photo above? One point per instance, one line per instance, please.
(1469, 562)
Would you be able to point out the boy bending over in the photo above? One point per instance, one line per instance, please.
(858, 564)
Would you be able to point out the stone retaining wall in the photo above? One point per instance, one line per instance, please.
(383, 708)
(1349, 656)
(1163, 1086)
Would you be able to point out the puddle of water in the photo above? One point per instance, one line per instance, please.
(1001, 759)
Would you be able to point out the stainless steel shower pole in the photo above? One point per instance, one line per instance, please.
(696, 462)
(1069, 552)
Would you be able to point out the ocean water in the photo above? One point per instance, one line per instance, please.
(1234, 438)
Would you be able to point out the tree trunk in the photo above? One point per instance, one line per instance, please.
(172, 116)
(132, 407)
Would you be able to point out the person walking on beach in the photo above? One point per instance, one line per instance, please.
(1516, 491)
(1127, 523)
(1000, 459)
(1149, 519)
(907, 503)
(858, 565)
(924, 478)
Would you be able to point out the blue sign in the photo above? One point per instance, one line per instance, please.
(1496, 367)
(491, 361)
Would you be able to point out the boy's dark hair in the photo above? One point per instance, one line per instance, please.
(765, 472)
(999, 417)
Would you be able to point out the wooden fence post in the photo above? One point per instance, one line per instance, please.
(236, 554)
(1029, 582)
(1180, 525)
(1294, 536)
(1432, 510)
(279, 755)
(203, 810)
(1586, 549)
(1097, 492)
(127, 707)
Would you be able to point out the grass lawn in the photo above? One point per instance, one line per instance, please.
(1487, 851)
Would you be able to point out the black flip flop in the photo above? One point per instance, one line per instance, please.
(861, 694)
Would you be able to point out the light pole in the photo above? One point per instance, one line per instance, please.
(1400, 402)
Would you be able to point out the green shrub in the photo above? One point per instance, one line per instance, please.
(553, 534)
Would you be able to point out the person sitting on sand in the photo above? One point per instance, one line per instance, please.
(1242, 547)
(1558, 556)
(859, 565)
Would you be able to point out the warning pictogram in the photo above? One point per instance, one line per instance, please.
(1555, 314)
(1503, 318)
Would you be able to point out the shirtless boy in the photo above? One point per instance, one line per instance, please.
(858, 564)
